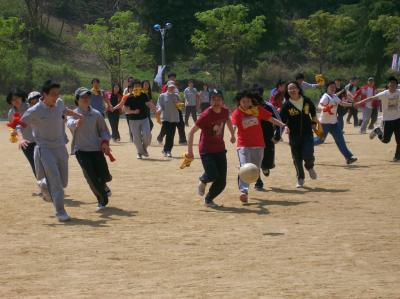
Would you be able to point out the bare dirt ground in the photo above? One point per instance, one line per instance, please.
(337, 238)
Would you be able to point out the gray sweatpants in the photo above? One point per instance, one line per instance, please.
(141, 134)
(366, 117)
(54, 164)
(253, 155)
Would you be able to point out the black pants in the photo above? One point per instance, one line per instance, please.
(170, 129)
(268, 161)
(374, 118)
(215, 168)
(302, 148)
(95, 170)
(204, 106)
(113, 118)
(190, 111)
(181, 130)
(151, 123)
(391, 127)
(28, 152)
(353, 112)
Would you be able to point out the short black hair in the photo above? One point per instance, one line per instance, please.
(299, 76)
(354, 78)
(245, 93)
(136, 82)
(190, 81)
(287, 96)
(95, 80)
(280, 82)
(49, 85)
(171, 75)
(338, 79)
(258, 89)
(15, 92)
(393, 78)
(330, 83)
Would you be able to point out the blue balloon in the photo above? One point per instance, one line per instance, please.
(157, 27)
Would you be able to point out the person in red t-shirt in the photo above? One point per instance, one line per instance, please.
(247, 119)
(212, 147)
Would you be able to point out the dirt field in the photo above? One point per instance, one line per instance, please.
(337, 238)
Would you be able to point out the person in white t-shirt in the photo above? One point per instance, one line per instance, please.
(328, 104)
(390, 100)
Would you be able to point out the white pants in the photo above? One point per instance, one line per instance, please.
(141, 134)
(253, 155)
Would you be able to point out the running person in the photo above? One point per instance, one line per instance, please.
(90, 142)
(390, 100)
(212, 147)
(136, 106)
(147, 91)
(299, 114)
(247, 119)
(114, 115)
(98, 98)
(47, 123)
(329, 104)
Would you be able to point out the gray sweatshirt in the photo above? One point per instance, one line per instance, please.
(89, 136)
(47, 124)
(190, 96)
(167, 103)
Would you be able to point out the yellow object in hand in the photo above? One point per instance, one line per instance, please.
(320, 79)
(13, 136)
(253, 111)
(179, 105)
(318, 130)
(158, 118)
(186, 161)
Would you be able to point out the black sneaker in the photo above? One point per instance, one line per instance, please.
(265, 172)
(211, 204)
(396, 159)
(351, 160)
(375, 132)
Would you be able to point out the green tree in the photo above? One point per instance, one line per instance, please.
(389, 27)
(323, 33)
(228, 37)
(12, 52)
(118, 43)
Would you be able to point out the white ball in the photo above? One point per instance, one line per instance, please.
(249, 173)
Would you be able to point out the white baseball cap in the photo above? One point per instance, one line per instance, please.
(34, 94)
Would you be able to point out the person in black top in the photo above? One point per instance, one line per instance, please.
(299, 114)
(147, 90)
(272, 135)
(341, 110)
(113, 115)
(136, 106)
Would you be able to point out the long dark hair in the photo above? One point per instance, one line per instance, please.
(287, 96)
(148, 82)
(119, 86)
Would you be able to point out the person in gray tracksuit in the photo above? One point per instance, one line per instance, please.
(47, 124)
(90, 142)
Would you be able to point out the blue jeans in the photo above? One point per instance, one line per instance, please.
(337, 135)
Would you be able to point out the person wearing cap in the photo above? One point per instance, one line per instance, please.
(212, 149)
(192, 102)
(136, 106)
(351, 89)
(181, 124)
(91, 139)
(367, 91)
(390, 100)
(46, 120)
(169, 114)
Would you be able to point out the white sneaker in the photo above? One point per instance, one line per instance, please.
(100, 208)
(146, 154)
(201, 190)
(300, 183)
(312, 173)
(169, 155)
(139, 156)
(63, 217)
